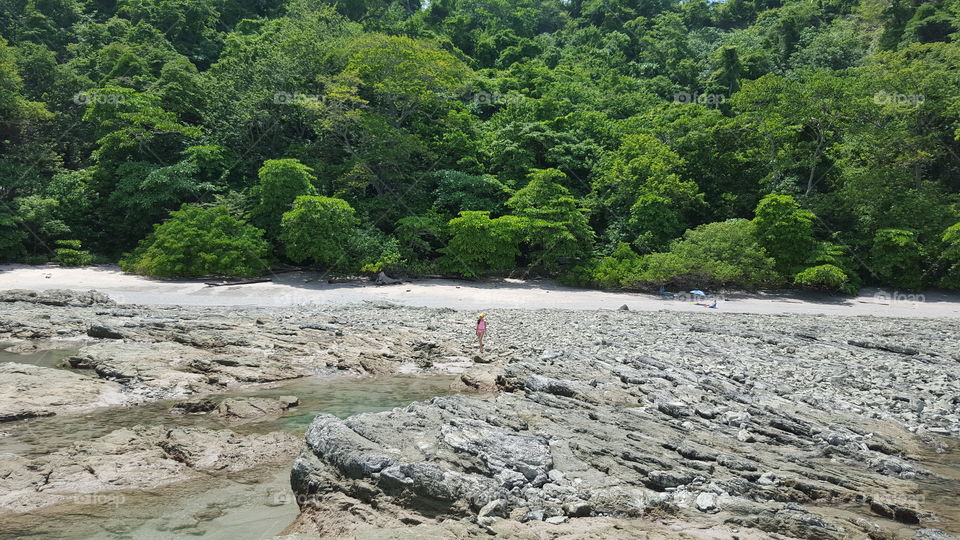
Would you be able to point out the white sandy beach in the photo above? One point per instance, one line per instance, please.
(296, 288)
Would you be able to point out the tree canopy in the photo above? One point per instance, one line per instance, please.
(613, 143)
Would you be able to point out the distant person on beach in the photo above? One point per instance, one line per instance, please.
(481, 328)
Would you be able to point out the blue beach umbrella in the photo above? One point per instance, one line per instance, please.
(698, 292)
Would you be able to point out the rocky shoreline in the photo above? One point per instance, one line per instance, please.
(593, 424)
(620, 424)
(128, 356)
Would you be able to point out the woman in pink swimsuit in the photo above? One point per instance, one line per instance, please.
(481, 328)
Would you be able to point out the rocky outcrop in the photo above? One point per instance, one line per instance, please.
(599, 424)
(165, 352)
(28, 391)
(57, 297)
(133, 459)
(765, 424)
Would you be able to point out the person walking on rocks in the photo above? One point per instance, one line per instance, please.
(481, 329)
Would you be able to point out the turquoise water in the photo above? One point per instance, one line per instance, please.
(250, 505)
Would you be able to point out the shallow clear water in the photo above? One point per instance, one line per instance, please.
(254, 504)
(49, 359)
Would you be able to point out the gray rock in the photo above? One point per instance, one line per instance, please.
(104, 331)
(494, 508)
(707, 502)
(252, 408)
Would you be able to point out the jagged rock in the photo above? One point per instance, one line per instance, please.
(104, 331)
(639, 426)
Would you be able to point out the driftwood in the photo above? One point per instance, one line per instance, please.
(243, 282)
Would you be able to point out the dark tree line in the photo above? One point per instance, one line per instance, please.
(619, 143)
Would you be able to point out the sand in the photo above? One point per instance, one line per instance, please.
(295, 288)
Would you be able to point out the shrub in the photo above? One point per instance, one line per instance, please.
(281, 182)
(198, 241)
(825, 276)
(715, 254)
(479, 244)
(785, 231)
(372, 250)
(70, 254)
(319, 229)
(12, 236)
(421, 236)
(457, 191)
(620, 269)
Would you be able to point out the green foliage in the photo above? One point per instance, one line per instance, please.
(479, 245)
(641, 191)
(281, 182)
(197, 241)
(372, 250)
(620, 269)
(951, 256)
(458, 191)
(70, 254)
(318, 229)
(824, 276)
(12, 236)
(576, 126)
(553, 224)
(785, 231)
(723, 254)
(419, 237)
(897, 258)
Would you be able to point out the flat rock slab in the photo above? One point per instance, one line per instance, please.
(28, 391)
(134, 459)
(245, 409)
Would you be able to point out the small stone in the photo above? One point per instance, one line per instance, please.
(494, 508)
(556, 520)
(707, 502)
(745, 436)
(288, 401)
(768, 479)
(577, 509)
(533, 515)
(623, 308)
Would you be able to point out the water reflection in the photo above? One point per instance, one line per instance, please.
(252, 504)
